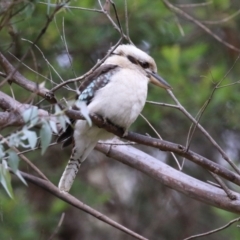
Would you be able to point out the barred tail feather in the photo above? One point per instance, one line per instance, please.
(69, 175)
(85, 139)
(78, 156)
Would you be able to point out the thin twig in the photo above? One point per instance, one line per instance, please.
(215, 144)
(229, 85)
(63, 37)
(229, 193)
(118, 26)
(25, 65)
(179, 26)
(25, 159)
(199, 24)
(44, 58)
(87, 73)
(3, 74)
(74, 7)
(213, 231)
(163, 104)
(127, 21)
(58, 226)
(159, 136)
(15, 76)
(206, 104)
(223, 20)
(42, 32)
(193, 5)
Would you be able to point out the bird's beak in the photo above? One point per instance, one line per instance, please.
(158, 81)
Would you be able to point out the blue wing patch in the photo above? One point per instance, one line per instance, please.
(101, 81)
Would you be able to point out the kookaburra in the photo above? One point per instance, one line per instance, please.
(117, 91)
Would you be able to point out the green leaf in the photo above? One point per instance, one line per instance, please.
(53, 126)
(45, 136)
(61, 117)
(57, 109)
(31, 136)
(2, 152)
(62, 122)
(5, 179)
(13, 160)
(18, 174)
(14, 140)
(30, 115)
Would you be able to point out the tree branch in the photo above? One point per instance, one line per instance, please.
(156, 143)
(13, 111)
(162, 145)
(213, 231)
(169, 176)
(49, 187)
(19, 79)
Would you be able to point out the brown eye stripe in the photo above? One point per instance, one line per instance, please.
(135, 61)
(144, 64)
(132, 59)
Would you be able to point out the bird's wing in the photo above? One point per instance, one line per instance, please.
(95, 81)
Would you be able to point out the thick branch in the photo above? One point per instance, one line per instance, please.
(170, 177)
(164, 146)
(13, 111)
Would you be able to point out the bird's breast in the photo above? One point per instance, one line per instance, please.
(122, 99)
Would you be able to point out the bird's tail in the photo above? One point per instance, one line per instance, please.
(74, 163)
(85, 139)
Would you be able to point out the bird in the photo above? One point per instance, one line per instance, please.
(116, 91)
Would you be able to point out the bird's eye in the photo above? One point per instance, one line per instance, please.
(144, 64)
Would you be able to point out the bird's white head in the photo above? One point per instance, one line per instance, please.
(129, 56)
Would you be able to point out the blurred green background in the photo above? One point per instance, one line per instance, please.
(192, 62)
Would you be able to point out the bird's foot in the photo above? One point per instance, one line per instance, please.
(63, 191)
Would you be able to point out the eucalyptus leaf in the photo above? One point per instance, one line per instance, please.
(62, 122)
(13, 160)
(14, 140)
(53, 126)
(32, 138)
(5, 179)
(45, 136)
(2, 152)
(57, 109)
(30, 115)
(18, 174)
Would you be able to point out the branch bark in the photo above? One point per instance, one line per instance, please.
(13, 110)
(170, 177)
